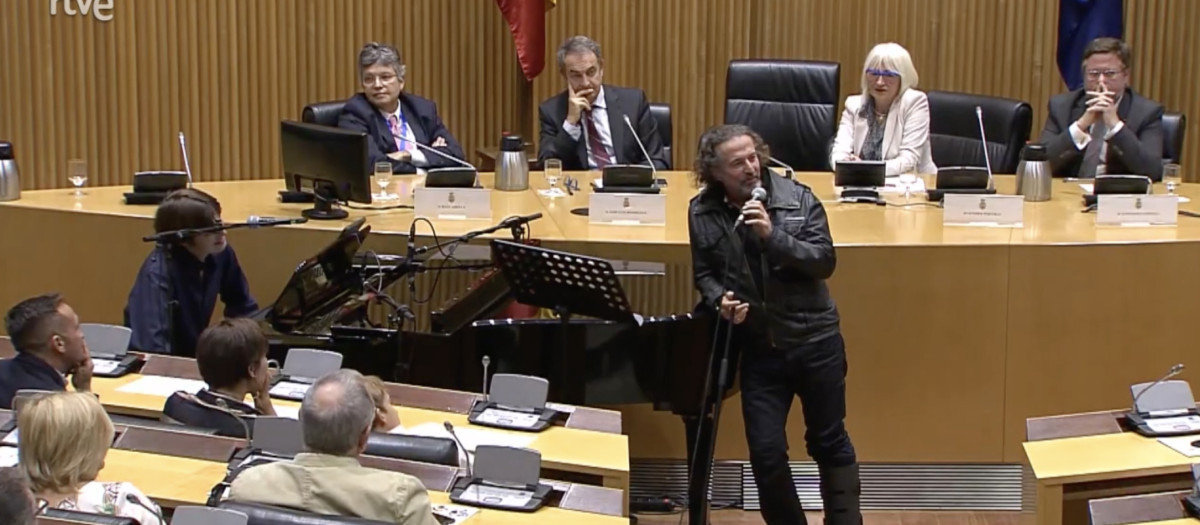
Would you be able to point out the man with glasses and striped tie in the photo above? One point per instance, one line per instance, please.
(395, 120)
(584, 126)
(1104, 127)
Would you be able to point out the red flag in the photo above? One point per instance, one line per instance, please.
(527, 23)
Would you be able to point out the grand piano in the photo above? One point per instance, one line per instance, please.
(660, 360)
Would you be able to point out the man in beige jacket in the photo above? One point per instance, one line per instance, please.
(336, 418)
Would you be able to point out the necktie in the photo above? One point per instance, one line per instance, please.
(1091, 154)
(595, 144)
(399, 129)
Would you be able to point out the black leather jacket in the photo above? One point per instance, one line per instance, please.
(795, 307)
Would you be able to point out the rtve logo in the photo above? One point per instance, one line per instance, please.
(101, 9)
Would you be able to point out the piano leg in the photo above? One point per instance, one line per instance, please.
(700, 434)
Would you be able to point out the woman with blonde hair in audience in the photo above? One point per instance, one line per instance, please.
(889, 120)
(386, 417)
(64, 440)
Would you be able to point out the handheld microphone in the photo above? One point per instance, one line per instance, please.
(466, 453)
(641, 146)
(257, 222)
(444, 156)
(486, 361)
(187, 166)
(157, 514)
(1174, 371)
(759, 194)
(790, 170)
(987, 161)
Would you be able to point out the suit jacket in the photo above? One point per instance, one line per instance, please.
(334, 485)
(905, 136)
(556, 143)
(1136, 149)
(421, 113)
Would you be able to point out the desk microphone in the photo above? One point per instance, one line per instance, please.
(987, 161)
(187, 166)
(257, 222)
(466, 453)
(641, 146)
(456, 160)
(790, 170)
(759, 194)
(486, 361)
(1174, 371)
(412, 253)
(518, 220)
(158, 514)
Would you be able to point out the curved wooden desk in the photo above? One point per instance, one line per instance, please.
(955, 335)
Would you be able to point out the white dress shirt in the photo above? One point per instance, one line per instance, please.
(600, 117)
(1082, 137)
(418, 156)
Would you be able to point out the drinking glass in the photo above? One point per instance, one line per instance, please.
(77, 174)
(1172, 176)
(907, 180)
(553, 170)
(383, 177)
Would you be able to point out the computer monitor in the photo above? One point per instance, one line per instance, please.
(329, 162)
(860, 174)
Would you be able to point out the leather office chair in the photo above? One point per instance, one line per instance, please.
(793, 104)
(439, 451)
(1174, 126)
(323, 113)
(662, 120)
(954, 130)
(258, 514)
(74, 516)
(186, 409)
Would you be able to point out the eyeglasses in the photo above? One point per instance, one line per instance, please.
(883, 73)
(1108, 73)
(384, 79)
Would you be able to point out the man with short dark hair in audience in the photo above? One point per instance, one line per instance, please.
(49, 341)
(336, 417)
(17, 506)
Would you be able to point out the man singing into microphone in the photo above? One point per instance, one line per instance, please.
(585, 127)
(396, 121)
(185, 277)
(763, 266)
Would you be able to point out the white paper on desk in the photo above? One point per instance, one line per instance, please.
(471, 437)
(161, 386)
(13, 438)
(289, 412)
(1182, 445)
(458, 513)
(104, 366)
(1088, 188)
(893, 185)
(8, 456)
(566, 409)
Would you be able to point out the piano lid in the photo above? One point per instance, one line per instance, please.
(321, 284)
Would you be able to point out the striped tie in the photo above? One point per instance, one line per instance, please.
(595, 145)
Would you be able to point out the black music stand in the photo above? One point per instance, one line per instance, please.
(567, 283)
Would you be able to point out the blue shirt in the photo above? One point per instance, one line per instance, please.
(27, 371)
(175, 274)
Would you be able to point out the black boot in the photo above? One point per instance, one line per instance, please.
(840, 490)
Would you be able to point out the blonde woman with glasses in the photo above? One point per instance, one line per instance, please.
(64, 439)
(889, 120)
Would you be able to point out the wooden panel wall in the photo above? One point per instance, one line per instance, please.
(226, 71)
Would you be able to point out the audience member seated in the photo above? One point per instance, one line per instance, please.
(889, 120)
(395, 120)
(1082, 124)
(336, 417)
(386, 417)
(232, 358)
(17, 506)
(64, 440)
(188, 274)
(49, 342)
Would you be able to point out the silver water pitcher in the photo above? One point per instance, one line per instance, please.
(1033, 174)
(10, 179)
(512, 168)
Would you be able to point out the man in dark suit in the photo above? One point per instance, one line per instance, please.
(584, 126)
(1104, 128)
(394, 120)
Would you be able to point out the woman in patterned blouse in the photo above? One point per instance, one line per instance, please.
(64, 439)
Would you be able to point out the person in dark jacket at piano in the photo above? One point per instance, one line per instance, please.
(232, 358)
(176, 290)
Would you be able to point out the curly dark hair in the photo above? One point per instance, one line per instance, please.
(707, 157)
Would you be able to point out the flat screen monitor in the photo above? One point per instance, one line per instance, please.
(860, 174)
(329, 162)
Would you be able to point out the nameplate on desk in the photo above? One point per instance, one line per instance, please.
(453, 203)
(1137, 210)
(983, 210)
(627, 209)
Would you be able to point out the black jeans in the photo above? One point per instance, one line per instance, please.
(771, 377)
